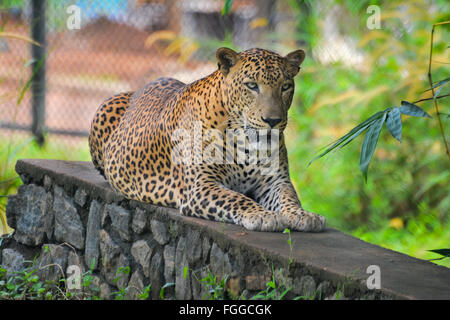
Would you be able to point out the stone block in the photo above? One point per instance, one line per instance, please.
(142, 251)
(194, 249)
(68, 225)
(169, 263)
(182, 283)
(34, 217)
(52, 262)
(139, 224)
(80, 197)
(156, 274)
(110, 253)
(92, 247)
(159, 231)
(12, 261)
(135, 286)
(219, 261)
(304, 286)
(120, 220)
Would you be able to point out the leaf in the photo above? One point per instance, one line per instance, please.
(444, 114)
(412, 110)
(35, 71)
(369, 144)
(436, 93)
(394, 123)
(161, 292)
(442, 252)
(227, 7)
(19, 37)
(445, 253)
(185, 272)
(439, 83)
(352, 134)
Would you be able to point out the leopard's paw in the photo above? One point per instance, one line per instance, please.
(269, 221)
(307, 222)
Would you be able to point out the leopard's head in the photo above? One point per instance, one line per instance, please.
(258, 86)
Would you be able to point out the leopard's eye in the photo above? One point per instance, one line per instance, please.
(286, 86)
(252, 86)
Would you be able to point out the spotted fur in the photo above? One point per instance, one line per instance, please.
(131, 142)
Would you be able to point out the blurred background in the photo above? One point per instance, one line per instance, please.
(362, 57)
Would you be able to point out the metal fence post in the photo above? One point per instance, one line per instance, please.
(38, 54)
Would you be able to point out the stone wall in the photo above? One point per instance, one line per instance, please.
(65, 214)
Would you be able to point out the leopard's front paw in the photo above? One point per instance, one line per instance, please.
(307, 222)
(269, 221)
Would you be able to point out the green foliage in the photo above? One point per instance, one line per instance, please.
(445, 253)
(274, 289)
(373, 125)
(161, 292)
(408, 180)
(291, 247)
(227, 7)
(216, 287)
(121, 272)
(26, 284)
(8, 4)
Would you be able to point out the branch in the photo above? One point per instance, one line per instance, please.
(432, 89)
(426, 99)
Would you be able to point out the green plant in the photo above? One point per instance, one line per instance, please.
(227, 7)
(445, 253)
(216, 287)
(408, 180)
(274, 290)
(167, 285)
(145, 293)
(25, 284)
(121, 272)
(291, 247)
(373, 126)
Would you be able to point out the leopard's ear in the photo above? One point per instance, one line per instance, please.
(226, 58)
(294, 60)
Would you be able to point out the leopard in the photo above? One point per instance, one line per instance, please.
(134, 136)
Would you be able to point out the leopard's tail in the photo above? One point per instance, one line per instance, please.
(106, 120)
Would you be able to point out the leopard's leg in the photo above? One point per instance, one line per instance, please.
(208, 199)
(106, 119)
(279, 195)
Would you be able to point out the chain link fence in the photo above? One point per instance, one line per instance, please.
(92, 49)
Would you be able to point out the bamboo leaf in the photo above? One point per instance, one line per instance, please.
(369, 144)
(439, 83)
(394, 123)
(18, 37)
(350, 136)
(445, 253)
(35, 71)
(442, 252)
(413, 110)
(436, 93)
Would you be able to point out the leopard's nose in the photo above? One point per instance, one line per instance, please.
(272, 122)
